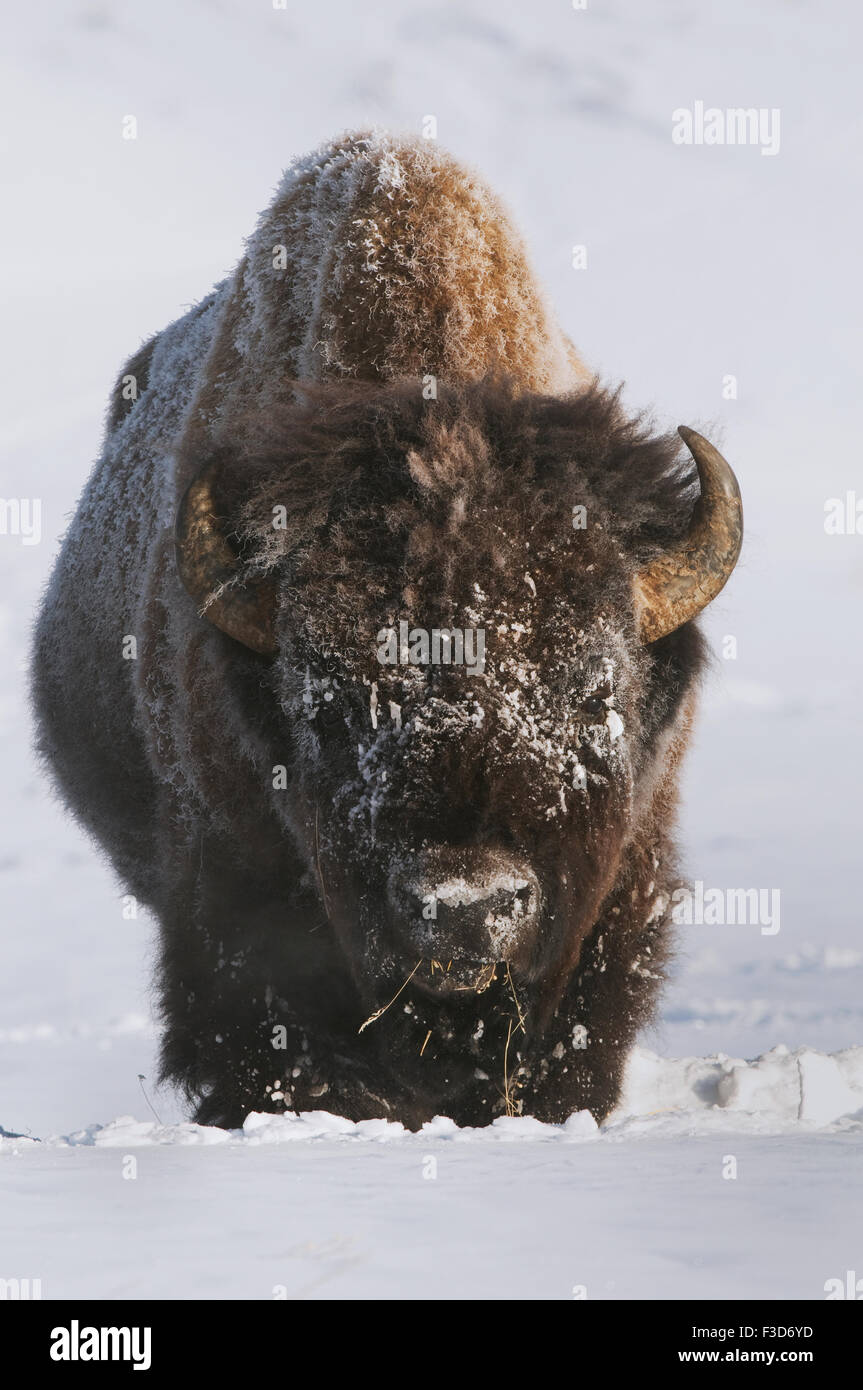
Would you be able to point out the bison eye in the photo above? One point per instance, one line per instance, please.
(593, 705)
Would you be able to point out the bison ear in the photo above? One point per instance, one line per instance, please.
(676, 585)
(206, 562)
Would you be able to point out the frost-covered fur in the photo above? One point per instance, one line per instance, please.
(264, 808)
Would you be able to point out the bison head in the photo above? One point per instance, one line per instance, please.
(476, 614)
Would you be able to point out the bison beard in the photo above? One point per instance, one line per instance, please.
(383, 890)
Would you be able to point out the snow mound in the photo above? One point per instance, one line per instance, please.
(778, 1090)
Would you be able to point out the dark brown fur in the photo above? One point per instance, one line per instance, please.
(394, 505)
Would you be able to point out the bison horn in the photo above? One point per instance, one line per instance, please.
(206, 562)
(676, 586)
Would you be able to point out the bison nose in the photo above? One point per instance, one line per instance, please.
(474, 906)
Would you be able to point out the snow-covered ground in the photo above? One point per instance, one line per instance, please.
(716, 1179)
(703, 262)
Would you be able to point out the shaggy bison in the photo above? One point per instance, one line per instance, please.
(369, 659)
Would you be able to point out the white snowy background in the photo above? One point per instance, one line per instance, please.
(702, 262)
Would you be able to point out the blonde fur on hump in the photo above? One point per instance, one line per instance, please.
(379, 257)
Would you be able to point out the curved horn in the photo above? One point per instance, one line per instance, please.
(206, 561)
(676, 585)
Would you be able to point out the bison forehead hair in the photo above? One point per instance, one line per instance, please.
(520, 519)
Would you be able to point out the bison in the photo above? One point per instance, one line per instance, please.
(370, 659)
